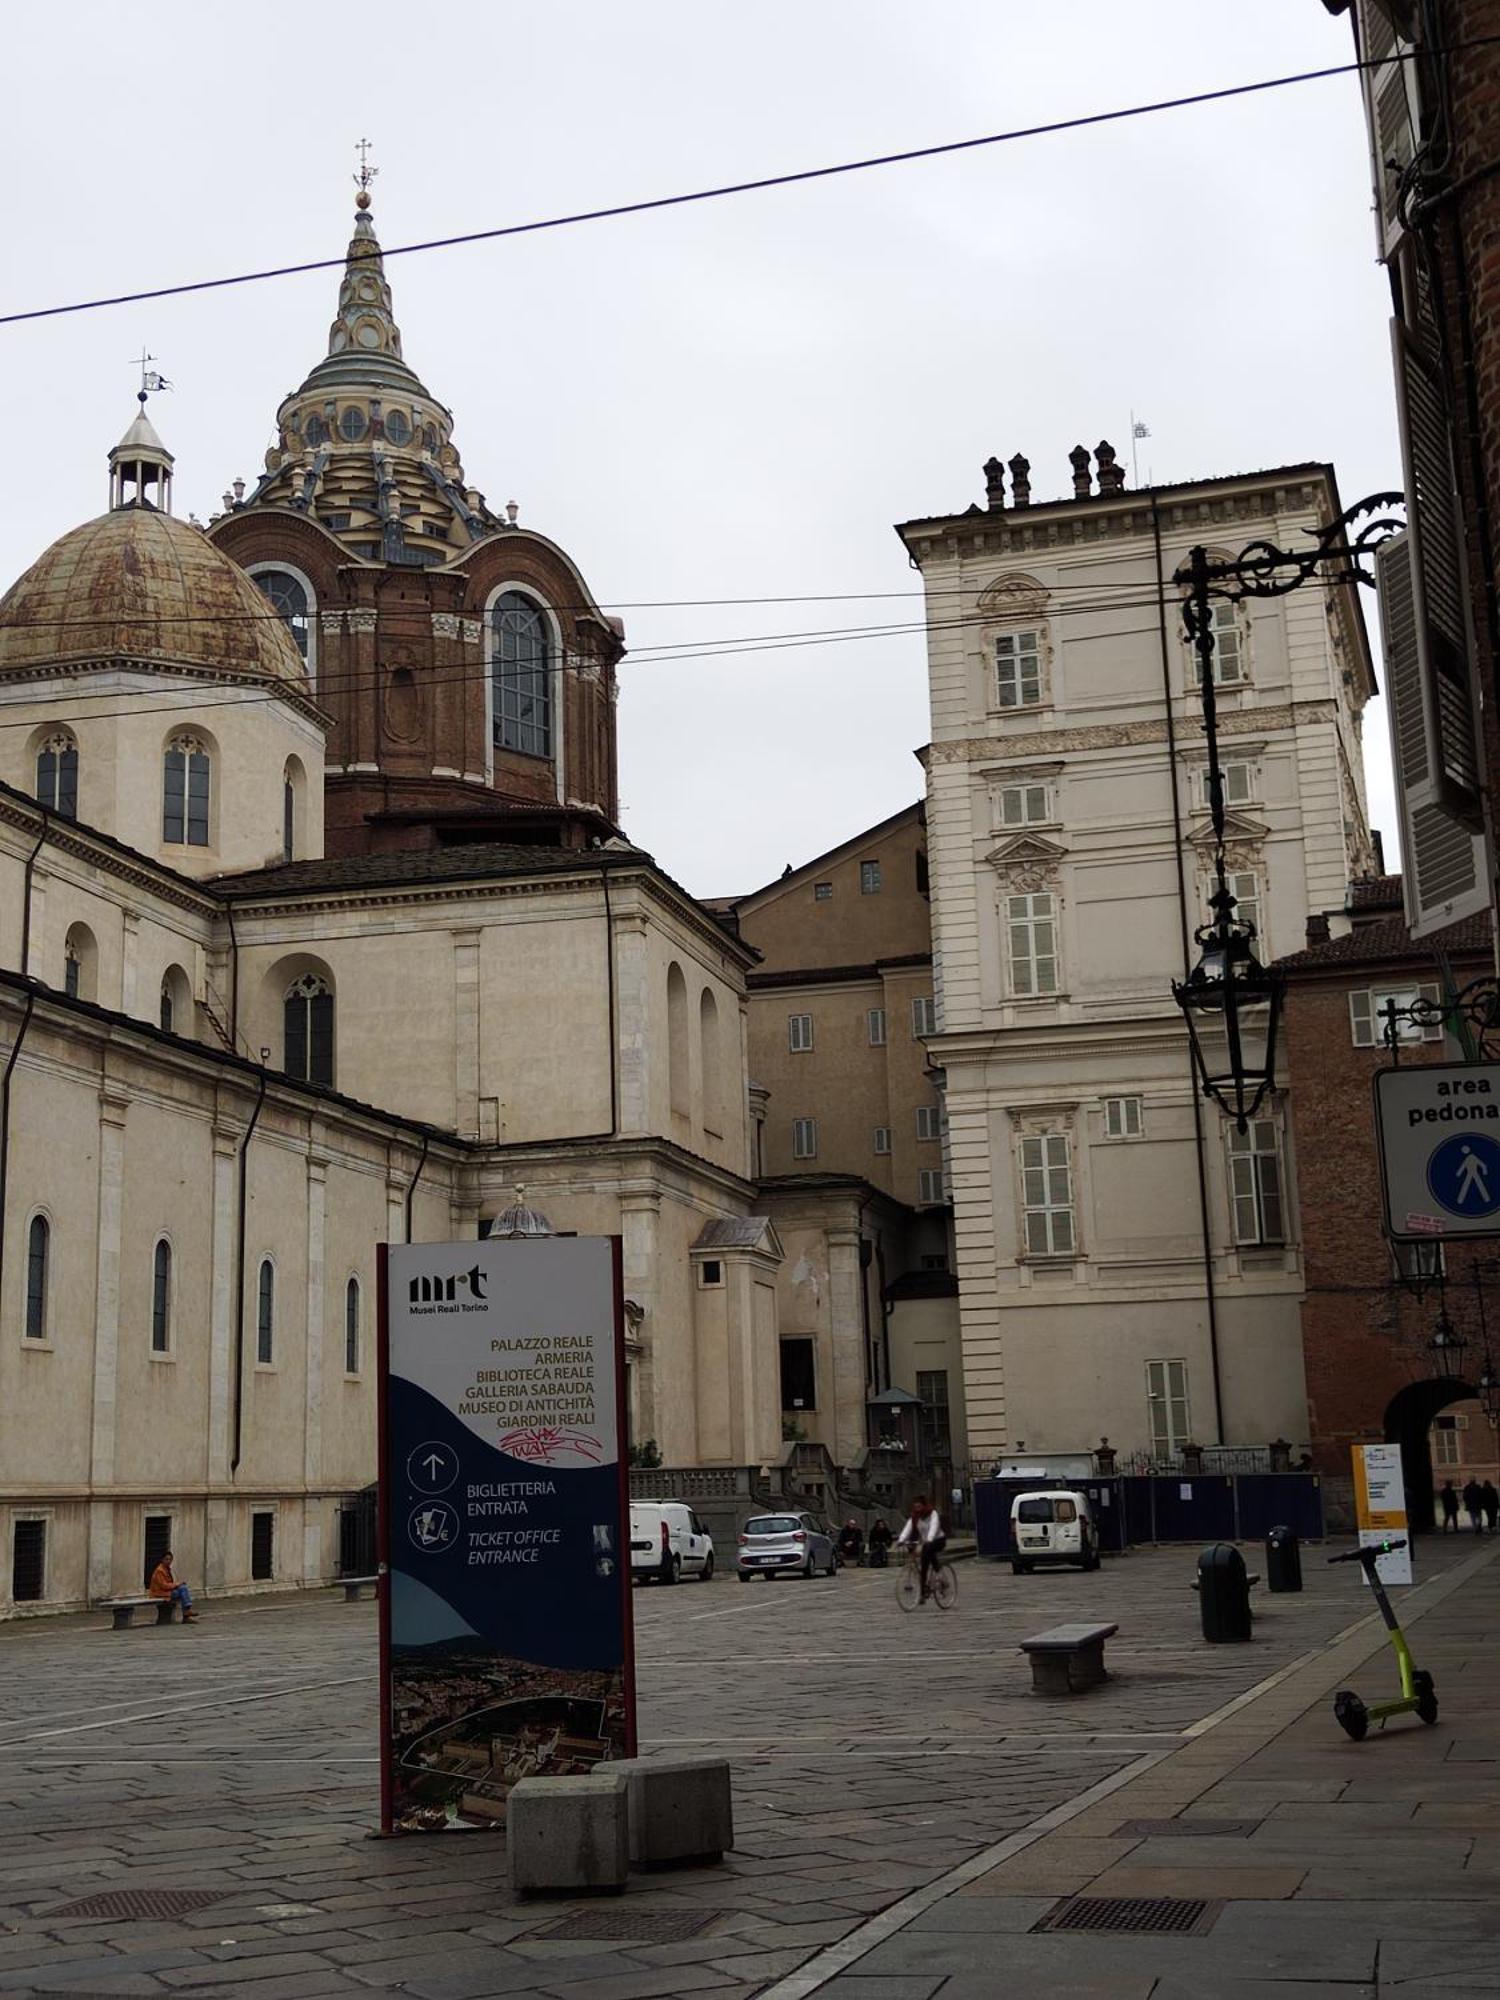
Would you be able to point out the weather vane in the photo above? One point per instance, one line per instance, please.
(152, 383)
(366, 172)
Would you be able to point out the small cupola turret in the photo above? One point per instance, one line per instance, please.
(140, 467)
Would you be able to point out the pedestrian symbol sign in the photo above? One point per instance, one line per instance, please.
(1464, 1175)
(1439, 1131)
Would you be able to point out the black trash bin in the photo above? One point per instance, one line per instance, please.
(1223, 1594)
(1283, 1560)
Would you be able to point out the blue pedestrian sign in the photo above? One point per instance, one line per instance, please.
(1463, 1175)
(1439, 1131)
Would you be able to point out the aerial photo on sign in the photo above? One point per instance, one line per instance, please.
(508, 1652)
(1439, 1129)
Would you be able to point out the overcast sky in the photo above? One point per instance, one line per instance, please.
(735, 400)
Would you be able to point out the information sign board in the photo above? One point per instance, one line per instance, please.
(506, 1637)
(1439, 1130)
(1380, 1506)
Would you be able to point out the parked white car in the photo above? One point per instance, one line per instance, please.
(1055, 1527)
(668, 1542)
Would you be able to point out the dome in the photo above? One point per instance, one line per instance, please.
(140, 585)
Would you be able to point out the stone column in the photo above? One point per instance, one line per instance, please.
(316, 1339)
(226, 1145)
(130, 932)
(847, 1343)
(112, 1109)
(639, 1215)
(466, 1028)
(364, 691)
(633, 1022)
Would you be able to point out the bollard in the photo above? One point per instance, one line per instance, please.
(1223, 1594)
(1283, 1560)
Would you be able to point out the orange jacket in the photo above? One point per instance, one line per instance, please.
(162, 1583)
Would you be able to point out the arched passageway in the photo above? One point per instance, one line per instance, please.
(1408, 1419)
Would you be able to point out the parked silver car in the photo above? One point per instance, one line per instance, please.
(785, 1545)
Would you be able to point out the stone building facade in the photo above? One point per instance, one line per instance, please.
(851, 1146)
(246, 1039)
(1128, 1265)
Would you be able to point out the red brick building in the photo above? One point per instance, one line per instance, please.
(1370, 1308)
(467, 673)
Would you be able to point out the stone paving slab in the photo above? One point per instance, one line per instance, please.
(242, 1758)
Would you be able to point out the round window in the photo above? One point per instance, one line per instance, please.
(397, 429)
(368, 335)
(352, 424)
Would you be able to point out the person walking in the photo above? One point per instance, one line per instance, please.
(1474, 1505)
(1489, 1495)
(1449, 1498)
(164, 1584)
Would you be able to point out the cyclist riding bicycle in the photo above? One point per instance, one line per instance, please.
(922, 1530)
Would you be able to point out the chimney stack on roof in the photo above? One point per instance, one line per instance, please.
(1318, 931)
(1111, 476)
(994, 485)
(1020, 481)
(1083, 483)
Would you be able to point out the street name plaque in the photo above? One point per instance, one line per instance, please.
(505, 1616)
(1438, 1126)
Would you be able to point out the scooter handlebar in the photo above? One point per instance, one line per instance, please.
(1370, 1553)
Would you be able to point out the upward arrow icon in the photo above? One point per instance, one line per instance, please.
(434, 1463)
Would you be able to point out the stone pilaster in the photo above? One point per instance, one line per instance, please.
(466, 1032)
(112, 1111)
(633, 1016)
(316, 1341)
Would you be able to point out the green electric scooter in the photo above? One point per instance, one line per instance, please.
(1417, 1693)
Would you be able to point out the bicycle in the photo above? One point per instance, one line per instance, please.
(944, 1589)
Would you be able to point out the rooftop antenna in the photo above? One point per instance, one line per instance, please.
(1138, 430)
(151, 382)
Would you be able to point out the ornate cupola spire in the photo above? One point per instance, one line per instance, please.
(366, 321)
(140, 467)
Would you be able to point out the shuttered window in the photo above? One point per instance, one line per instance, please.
(1167, 1407)
(307, 1019)
(1255, 1184)
(1047, 1195)
(161, 1298)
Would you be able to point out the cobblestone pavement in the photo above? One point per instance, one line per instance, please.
(874, 1754)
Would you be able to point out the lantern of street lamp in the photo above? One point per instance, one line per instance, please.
(1232, 1006)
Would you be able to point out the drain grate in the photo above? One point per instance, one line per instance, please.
(1149, 1829)
(631, 1927)
(1156, 1916)
(124, 1904)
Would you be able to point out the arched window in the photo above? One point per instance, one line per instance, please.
(57, 775)
(38, 1250)
(351, 1327)
(80, 964)
(521, 675)
(161, 1298)
(185, 793)
(289, 595)
(678, 1071)
(176, 1014)
(265, 1314)
(307, 1019)
(709, 1063)
(293, 809)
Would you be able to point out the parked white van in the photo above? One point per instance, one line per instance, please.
(1056, 1527)
(668, 1542)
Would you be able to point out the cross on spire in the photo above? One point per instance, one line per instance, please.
(366, 172)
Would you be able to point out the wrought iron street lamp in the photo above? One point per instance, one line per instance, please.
(1230, 1001)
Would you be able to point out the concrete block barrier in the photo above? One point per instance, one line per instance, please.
(569, 1834)
(680, 1810)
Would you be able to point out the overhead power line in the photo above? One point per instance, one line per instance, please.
(760, 185)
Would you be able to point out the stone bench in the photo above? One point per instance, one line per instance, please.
(569, 1835)
(355, 1587)
(1068, 1658)
(681, 1810)
(125, 1608)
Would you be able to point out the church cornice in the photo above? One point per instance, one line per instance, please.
(76, 666)
(126, 864)
(1116, 735)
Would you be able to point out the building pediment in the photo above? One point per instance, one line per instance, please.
(1026, 850)
(739, 1233)
(1238, 827)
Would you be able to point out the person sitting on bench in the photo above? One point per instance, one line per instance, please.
(164, 1584)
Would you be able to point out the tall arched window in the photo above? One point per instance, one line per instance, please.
(161, 1298)
(293, 811)
(307, 1020)
(176, 1014)
(678, 1070)
(709, 1061)
(185, 793)
(289, 595)
(57, 775)
(80, 963)
(38, 1250)
(265, 1314)
(521, 675)
(351, 1327)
